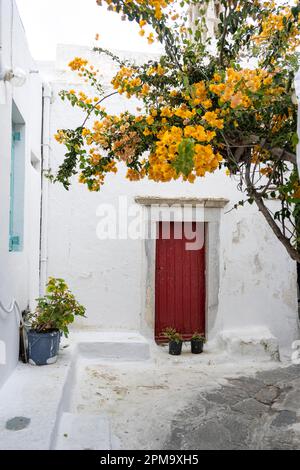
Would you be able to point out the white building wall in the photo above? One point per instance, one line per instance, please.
(210, 19)
(19, 271)
(257, 285)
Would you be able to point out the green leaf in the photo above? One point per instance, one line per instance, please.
(184, 163)
(295, 139)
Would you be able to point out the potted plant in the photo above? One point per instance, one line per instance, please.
(197, 342)
(175, 341)
(51, 318)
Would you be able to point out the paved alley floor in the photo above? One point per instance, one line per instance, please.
(193, 403)
(261, 412)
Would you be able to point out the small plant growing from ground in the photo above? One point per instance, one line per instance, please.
(175, 341)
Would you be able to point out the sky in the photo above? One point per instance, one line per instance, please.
(51, 22)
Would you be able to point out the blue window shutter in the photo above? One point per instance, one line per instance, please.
(16, 136)
(14, 243)
(12, 192)
(14, 239)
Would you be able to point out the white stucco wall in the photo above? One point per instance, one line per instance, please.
(19, 271)
(257, 280)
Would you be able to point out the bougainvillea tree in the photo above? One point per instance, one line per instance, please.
(224, 99)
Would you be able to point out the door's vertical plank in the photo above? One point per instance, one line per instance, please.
(158, 315)
(167, 286)
(178, 279)
(163, 280)
(195, 287)
(202, 269)
(187, 259)
(191, 292)
(171, 269)
(186, 286)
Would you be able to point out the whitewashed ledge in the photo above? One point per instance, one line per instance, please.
(209, 202)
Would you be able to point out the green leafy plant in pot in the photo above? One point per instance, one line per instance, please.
(175, 341)
(51, 318)
(197, 342)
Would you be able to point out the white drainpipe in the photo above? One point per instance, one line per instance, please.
(2, 72)
(47, 96)
(1, 42)
(297, 87)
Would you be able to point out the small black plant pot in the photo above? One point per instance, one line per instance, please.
(43, 347)
(197, 346)
(175, 348)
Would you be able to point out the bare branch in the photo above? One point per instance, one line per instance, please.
(239, 153)
(97, 104)
(293, 253)
(224, 34)
(284, 155)
(253, 140)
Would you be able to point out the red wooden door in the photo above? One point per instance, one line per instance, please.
(180, 282)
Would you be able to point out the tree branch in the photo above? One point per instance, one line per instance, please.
(223, 37)
(278, 152)
(97, 104)
(284, 155)
(293, 253)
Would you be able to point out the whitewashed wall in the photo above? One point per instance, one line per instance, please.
(19, 272)
(257, 279)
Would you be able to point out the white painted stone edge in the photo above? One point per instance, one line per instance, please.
(210, 202)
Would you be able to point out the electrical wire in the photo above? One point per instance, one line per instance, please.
(14, 308)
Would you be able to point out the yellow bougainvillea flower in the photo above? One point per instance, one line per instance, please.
(150, 120)
(60, 137)
(145, 89)
(78, 63)
(213, 120)
(150, 38)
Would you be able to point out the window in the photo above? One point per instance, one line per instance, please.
(17, 182)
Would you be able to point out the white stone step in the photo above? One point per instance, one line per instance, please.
(109, 345)
(83, 432)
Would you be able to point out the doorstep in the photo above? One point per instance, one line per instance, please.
(112, 345)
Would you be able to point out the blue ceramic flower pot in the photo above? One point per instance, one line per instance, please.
(43, 347)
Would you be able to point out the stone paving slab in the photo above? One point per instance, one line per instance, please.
(261, 412)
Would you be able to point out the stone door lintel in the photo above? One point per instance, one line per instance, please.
(208, 202)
